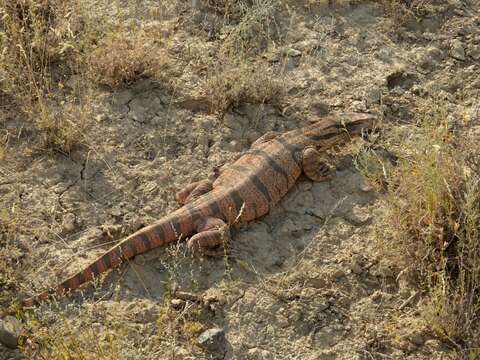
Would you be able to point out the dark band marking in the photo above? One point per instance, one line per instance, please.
(272, 163)
(94, 268)
(237, 200)
(129, 247)
(147, 241)
(158, 229)
(62, 288)
(175, 223)
(193, 209)
(107, 260)
(80, 278)
(260, 187)
(291, 148)
(214, 207)
(255, 180)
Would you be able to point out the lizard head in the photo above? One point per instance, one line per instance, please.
(330, 131)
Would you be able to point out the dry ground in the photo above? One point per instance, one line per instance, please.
(127, 100)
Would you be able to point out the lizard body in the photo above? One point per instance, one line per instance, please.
(244, 191)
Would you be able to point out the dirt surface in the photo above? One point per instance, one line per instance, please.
(305, 281)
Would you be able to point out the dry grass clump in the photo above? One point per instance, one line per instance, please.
(53, 335)
(42, 47)
(402, 11)
(432, 224)
(119, 61)
(40, 41)
(10, 256)
(231, 86)
(252, 33)
(229, 9)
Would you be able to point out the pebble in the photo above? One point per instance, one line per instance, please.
(474, 52)
(68, 223)
(382, 270)
(433, 343)
(358, 216)
(317, 282)
(212, 340)
(177, 303)
(294, 52)
(355, 267)
(300, 203)
(376, 296)
(373, 95)
(289, 227)
(305, 185)
(358, 106)
(259, 354)
(457, 50)
(10, 330)
(430, 58)
(417, 338)
(337, 274)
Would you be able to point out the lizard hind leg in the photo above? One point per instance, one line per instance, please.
(211, 237)
(193, 191)
(315, 166)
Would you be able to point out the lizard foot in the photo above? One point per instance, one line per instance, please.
(211, 239)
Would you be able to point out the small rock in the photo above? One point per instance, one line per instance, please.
(317, 282)
(100, 117)
(376, 296)
(259, 354)
(381, 271)
(474, 52)
(212, 340)
(282, 320)
(358, 216)
(355, 267)
(457, 50)
(301, 202)
(337, 274)
(417, 338)
(10, 330)
(429, 59)
(358, 106)
(433, 344)
(294, 52)
(326, 337)
(289, 227)
(68, 223)
(373, 95)
(305, 185)
(234, 146)
(320, 108)
(177, 304)
(366, 188)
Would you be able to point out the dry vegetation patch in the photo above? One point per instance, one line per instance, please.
(431, 221)
(232, 86)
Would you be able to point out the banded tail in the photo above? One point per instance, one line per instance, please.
(159, 233)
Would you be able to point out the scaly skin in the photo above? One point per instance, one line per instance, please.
(246, 190)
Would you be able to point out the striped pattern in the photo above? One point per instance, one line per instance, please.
(246, 190)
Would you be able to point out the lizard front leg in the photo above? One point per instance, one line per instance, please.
(315, 166)
(211, 232)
